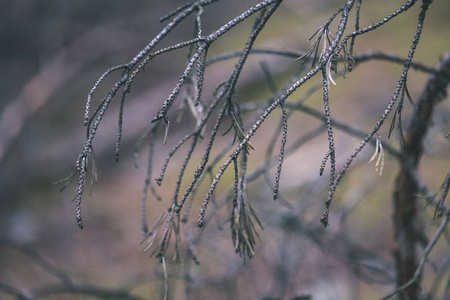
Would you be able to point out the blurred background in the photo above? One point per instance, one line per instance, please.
(51, 54)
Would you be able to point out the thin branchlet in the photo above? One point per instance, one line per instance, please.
(281, 155)
(257, 28)
(169, 101)
(236, 183)
(170, 155)
(200, 76)
(331, 154)
(81, 166)
(440, 204)
(176, 11)
(352, 43)
(155, 54)
(96, 85)
(182, 170)
(120, 123)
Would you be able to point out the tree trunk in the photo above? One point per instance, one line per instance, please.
(407, 219)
